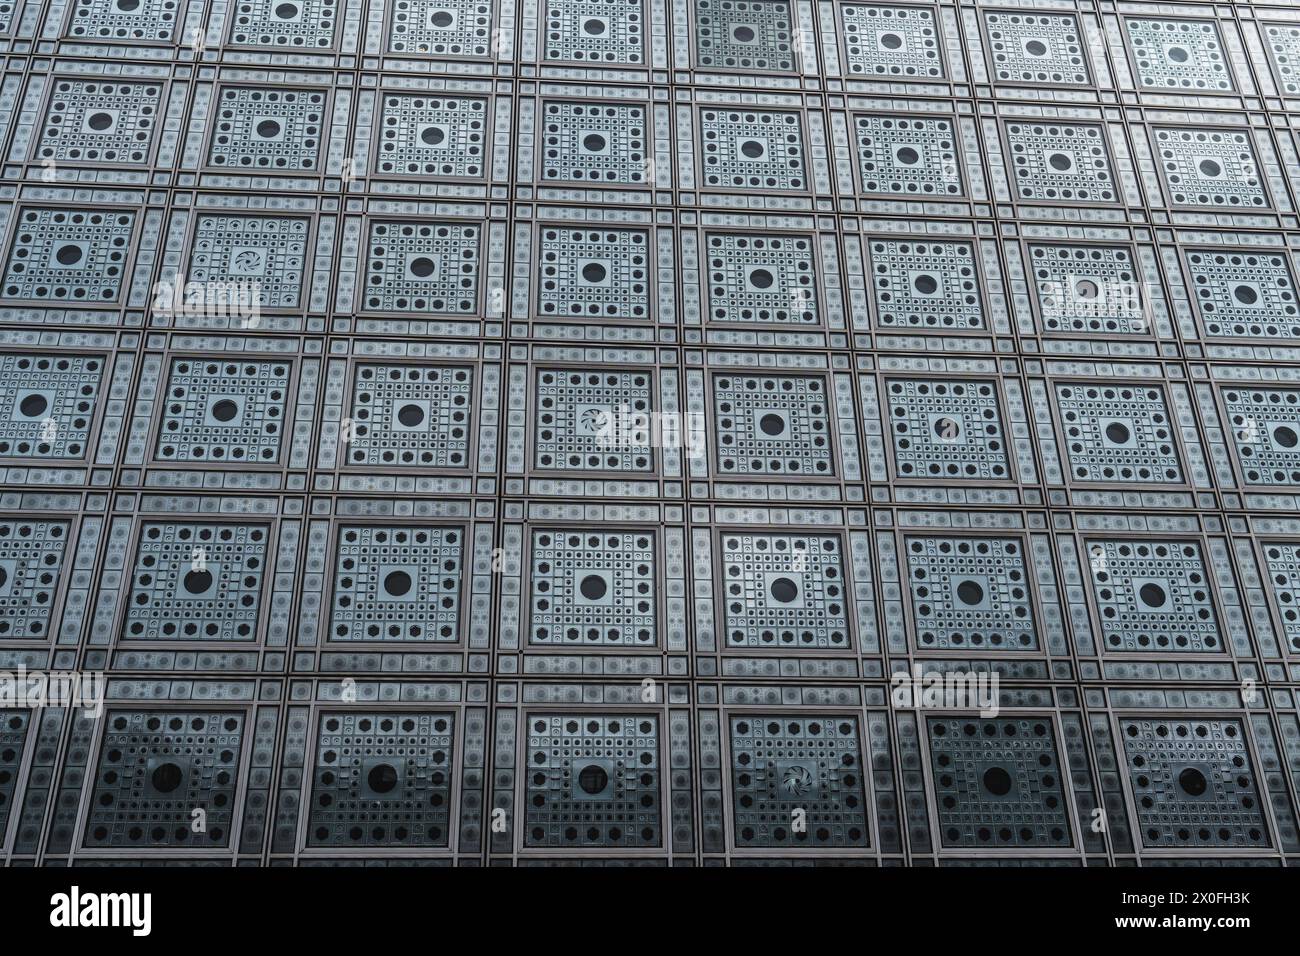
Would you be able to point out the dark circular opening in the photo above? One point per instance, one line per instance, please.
(970, 592)
(784, 590)
(99, 121)
(1152, 595)
(771, 424)
(441, 19)
(1193, 782)
(433, 136)
(198, 582)
(751, 148)
(1245, 295)
(128, 5)
(1060, 162)
(1285, 436)
(593, 779)
(908, 156)
(225, 410)
(1209, 167)
(925, 284)
(593, 27)
(422, 267)
(268, 128)
(594, 272)
(1086, 289)
(1036, 48)
(410, 415)
(1117, 432)
(997, 781)
(948, 428)
(593, 587)
(1177, 54)
(382, 778)
(760, 278)
(891, 41)
(166, 777)
(68, 255)
(744, 34)
(286, 11)
(397, 583)
(33, 406)
(593, 142)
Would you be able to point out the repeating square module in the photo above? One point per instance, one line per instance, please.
(781, 762)
(744, 34)
(13, 743)
(753, 148)
(196, 581)
(1179, 55)
(65, 255)
(155, 768)
(223, 411)
(382, 779)
(772, 425)
(126, 20)
(593, 781)
(588, 273)
(410, 415)
(453, 28)
(1210, 168)
(1052, 162)
(594, 143)
(47, 404)
(593, 420)
(970, 594)
(1118, 433)
(89, 121)
(433, 135)
(925, 285)
(1283, 563)
(287, 24)
(395, 583)
(998, 783)
(1244, 293)
(947, 429)
(755, 278)
(1092, 289)
(1265, 426)
(1036, 48)
(784, 591)
(901, 156)
(1284, 43)
(1153, 596)
(889, 41)
(422, 267)
(593, 588)
(268, 129)
(264, 257)
(32, 556)
(595, 31)
(1193, 782)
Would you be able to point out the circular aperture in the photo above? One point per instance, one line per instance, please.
(593, 27)
(1086, 289)
(99, 122)
(593, 779)
(68, 255)
(1152, 595)
(593, 587)
(1061, 162)
(198, 582)
(1177, 54)
(382, 778)
(751, 148)
(33, 406)
(268, 129)
(397, 583)
(1209, 167)
(1117, 432)
(166, 777)
(1284, 436)
(1245, 294)
(286, 11)
(1036, 48)
(947, 428)
(594, 272)
(771, 424)
(760, 278)
(410, 415)
(422, 267)
(441, 18)
(743, 34)
(891, 41)
(784, 590)
(225, 410)
(970, 592)
(925, 284)
(1193, 782)
(908, 156)
(433, 136)
(997, 781)
(593, 142)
